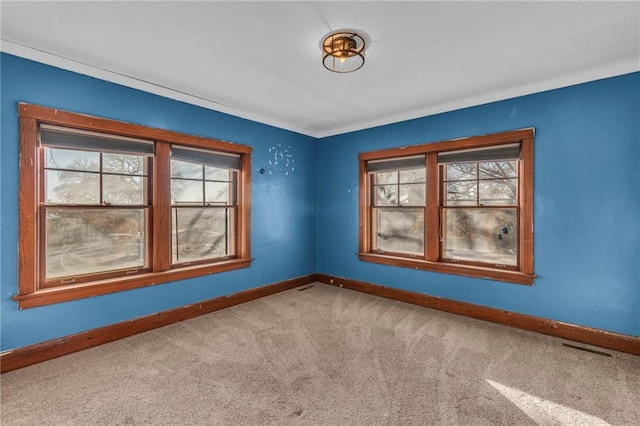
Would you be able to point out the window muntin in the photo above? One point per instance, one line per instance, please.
(116, 198)
(478, 207)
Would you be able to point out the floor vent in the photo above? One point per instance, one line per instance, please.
(593, 351)
(305, 288)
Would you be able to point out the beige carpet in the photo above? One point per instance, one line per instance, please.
(328, 356)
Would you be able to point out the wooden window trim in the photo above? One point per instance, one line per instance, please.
(29, 292)
(431, 260)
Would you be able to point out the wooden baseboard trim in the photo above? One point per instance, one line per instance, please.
(576, 333)
(28, 355)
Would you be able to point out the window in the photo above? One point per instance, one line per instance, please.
(94, 206)
(108, 206)
(461, 207)
(203, 205)
(398, 205)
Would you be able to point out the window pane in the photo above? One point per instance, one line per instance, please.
(119, 189)
(412, 194)
(399, 230)
(386, 177)
(185, 169)
(89, 241)
(215, 173)
(72, 187)
(481, 235)
(199, 233)
(498, 169)
(460, 171)
(461, 193)
(412, 176)
(186, 191)
(386, 195)
(70, 159)
(499, 192)
(217, 192)
(123, 164)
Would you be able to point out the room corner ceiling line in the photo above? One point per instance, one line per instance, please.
(627, 66)
(38, 55)
(607, 71)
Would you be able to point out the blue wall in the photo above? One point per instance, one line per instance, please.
(586, 205)
(283, 211)
(587, 202)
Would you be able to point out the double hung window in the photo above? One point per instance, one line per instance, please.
(108, 206)
(480, 206)
(203, 204)
(461, 207)
(94, 206)
(398, 205)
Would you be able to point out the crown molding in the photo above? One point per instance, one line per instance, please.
(627, 66)
(68, 64)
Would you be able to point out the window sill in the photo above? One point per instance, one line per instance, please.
(450, 268)
(96, 288)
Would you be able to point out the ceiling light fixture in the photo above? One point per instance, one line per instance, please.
(343, 52)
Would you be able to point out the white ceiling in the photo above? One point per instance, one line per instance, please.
(262, 60)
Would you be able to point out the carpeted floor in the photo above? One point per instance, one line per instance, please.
(321, 355)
